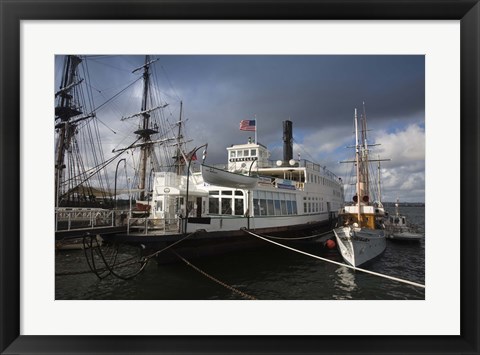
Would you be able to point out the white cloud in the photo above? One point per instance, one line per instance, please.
(404, 176)
(326, 140)
(403, 146)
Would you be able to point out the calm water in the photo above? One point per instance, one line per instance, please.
(269, 273)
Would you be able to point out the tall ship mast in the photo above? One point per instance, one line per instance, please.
(153, 134)
(80, 177)
(146, 130)
(359, 237)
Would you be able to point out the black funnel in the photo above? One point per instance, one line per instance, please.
(287, 141)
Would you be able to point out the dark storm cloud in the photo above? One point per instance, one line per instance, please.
(307, 88)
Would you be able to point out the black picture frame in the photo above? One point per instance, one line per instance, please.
(13, 12)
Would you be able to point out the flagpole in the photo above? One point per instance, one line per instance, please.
(256, 128)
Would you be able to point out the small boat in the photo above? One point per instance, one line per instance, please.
(215, 176)
(358, 238)
(359, 245)
(397, 228)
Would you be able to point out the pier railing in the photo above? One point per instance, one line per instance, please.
(67, 219)
(146, 225)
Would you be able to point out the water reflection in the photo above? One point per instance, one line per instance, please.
(344, 282)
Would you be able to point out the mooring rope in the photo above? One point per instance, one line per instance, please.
(109, 266)
(335, 262)
(169, 246)
(298, 238)
(231, 288)
(108, 269)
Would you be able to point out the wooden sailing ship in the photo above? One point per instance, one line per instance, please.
(359, 238)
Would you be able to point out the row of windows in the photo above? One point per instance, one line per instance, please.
(271, 195)
(313, 207)
(263, 207)
(243, 153)
(225, 206)
(225, 193)
(312, 198)
(316, 179)
(265, 203)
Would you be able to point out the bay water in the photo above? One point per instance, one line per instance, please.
(266, 273)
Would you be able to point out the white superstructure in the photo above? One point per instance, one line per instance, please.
(286, 195)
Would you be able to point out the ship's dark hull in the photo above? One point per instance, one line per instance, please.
(204, 244)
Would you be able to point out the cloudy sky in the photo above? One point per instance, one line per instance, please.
(317, 93)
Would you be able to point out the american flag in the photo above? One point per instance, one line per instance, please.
(247, 125)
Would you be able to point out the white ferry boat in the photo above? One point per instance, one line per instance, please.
(288, 198)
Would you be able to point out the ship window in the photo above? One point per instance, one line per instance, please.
(294, 207)
(256, 207)
(278, 210)
(239, 154)
(253, 152)
(271, 209)
(284, 207)
(227, 192)
(214, 193)
(226, 206)
(160, 205)
(232, 154)
(289, 207)
(238, 206)
(213, 205)
(245, 153)
(305, 207)
(263, 207)
(238, 193)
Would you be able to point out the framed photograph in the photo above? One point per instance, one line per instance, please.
(429, 49)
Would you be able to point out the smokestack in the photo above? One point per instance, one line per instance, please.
(287, 141)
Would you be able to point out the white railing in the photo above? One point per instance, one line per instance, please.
(67, 219)
(146, 225)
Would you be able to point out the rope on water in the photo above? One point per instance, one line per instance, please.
(231, 288)
(90, 244)
(335, 262)
(110, 266)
